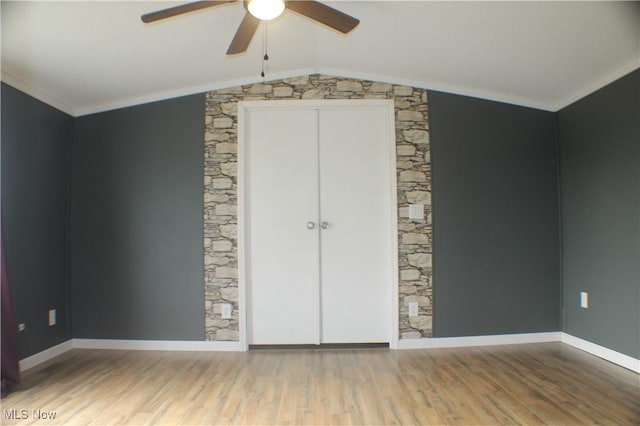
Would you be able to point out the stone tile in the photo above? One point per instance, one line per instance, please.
(410, 115)
(282, 91)
(420, 260)
(415, 238)
(405, 150)
(412, 176)
(416, 136)
(419, 197)
(260, 89)
(381, 87)
(402, 90)
(409, 274)
(222, 122)
(221, 183)
(349, 86)
(226, 148)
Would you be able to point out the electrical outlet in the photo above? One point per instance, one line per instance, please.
(413, 309)
(52, 317)
(584, 299)
(22, 326)
(225, 310)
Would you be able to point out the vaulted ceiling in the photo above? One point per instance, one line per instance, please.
(89, 56)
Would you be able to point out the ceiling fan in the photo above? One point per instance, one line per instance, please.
(263, 10)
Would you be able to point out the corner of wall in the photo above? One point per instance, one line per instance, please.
(556, 118)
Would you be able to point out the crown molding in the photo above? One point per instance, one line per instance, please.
(603, 82)
(429, 85)
(36, 93)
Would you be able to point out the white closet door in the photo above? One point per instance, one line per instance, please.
(355, 201)
(281, 199)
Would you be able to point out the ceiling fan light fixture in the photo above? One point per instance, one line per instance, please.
(266, 10)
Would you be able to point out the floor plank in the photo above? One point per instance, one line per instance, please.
(549, 383)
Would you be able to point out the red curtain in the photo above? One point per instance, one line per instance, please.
(10, 361)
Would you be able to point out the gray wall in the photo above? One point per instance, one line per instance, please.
(136, 222)
(495, 218)
(36, 140)
(136, 218)
(600, 156)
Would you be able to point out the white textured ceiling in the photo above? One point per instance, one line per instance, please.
(89, 56)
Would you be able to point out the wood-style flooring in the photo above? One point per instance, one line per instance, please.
(548, 383)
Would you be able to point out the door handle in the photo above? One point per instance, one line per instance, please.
(311, 225)
(324, 225)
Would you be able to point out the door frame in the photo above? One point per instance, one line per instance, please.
(393, 282)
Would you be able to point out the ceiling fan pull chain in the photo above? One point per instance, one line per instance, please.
(266, 42)
(264, 49)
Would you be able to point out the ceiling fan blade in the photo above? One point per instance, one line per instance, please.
(324, 14)
(180, 9)
(243, 36)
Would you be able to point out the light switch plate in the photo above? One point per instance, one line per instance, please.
(416, 211)
(225, 310)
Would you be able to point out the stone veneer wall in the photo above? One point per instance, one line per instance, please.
(220, 192)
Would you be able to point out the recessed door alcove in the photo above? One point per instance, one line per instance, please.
(222, 265)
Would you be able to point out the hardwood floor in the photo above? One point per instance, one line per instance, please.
(548, 383)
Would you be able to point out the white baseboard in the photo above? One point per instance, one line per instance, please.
(622, 360)
(490, 340)
(130, 345)
(158, 345)
(45, 355)
(618, 358)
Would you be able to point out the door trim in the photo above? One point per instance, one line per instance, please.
(393, 291)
